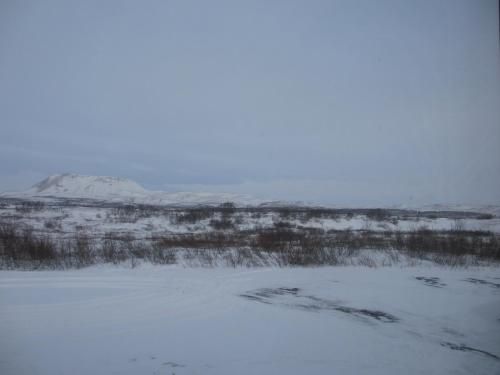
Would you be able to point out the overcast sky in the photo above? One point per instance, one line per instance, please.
(343, 102)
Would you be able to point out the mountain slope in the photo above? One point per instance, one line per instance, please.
(87, 186)
(122, 190)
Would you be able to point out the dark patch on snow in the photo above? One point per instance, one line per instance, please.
(289, 290)
(269, 292)
(290, 297)
(465, 348)
(323, 304)
(482, 282)
(173, 364)
(431, 281)
(254, 298)
(261, 295)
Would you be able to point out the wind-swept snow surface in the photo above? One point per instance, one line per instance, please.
(165, 320)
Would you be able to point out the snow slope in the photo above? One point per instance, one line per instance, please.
(166, 320)
(120, 190)
(87, 186)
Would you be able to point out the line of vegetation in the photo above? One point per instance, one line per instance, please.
(22, 248)
(130, 212)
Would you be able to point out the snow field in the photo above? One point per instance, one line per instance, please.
(169, 319)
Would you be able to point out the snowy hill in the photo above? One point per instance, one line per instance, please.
(120, 190)
(70, 185)
(117, 189)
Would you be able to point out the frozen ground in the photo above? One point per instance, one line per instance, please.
(165, 320)
(92, 204)
(62, 220)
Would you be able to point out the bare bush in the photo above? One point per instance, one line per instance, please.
(224, 223)
(378, 214)
(84, 250)
(283, 242)
(52, 224)
(193, 216)
(21, 247)
(29, 206)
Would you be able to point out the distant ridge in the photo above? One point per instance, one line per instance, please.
(76, 185)
(122, 190)
(118, 189)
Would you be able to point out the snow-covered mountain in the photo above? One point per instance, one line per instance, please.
(70, 185)
(117, 189)
(120, 190)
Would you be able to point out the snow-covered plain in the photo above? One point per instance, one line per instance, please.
(63, 220)
(74, 203)
(169, 319)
